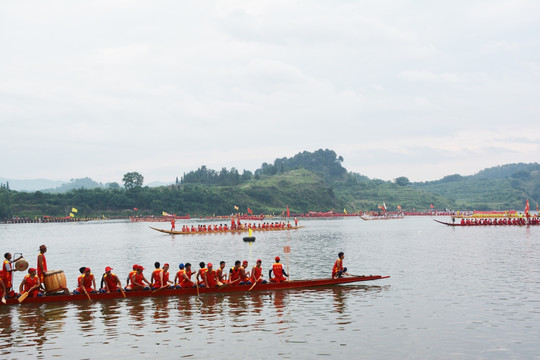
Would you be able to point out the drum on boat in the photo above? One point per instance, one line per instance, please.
(54, 280)
(21, 265)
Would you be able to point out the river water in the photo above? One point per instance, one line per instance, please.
(454, 293)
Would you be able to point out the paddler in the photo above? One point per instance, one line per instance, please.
(179, 275)
(186, 277)
(279, 273)
(338, 270)
(221, 278)
(157, 277)
(133, 271)
(210, 276)
(86, 282)
(236, 273)
(111, 281)
(200, 274)
(256, 273)
(138, 280)
(246, 276)
(165, 273)
(30, 283)
(7, 270)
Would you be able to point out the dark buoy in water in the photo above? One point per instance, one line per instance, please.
(249, 238)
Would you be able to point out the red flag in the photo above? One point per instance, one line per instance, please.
(135, 209)
(288, 212)
(249, 211)
(527, 207)
(431, 206)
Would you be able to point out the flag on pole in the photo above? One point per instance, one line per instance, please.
(345, 211)
(236, 207)
(288, 212)
(71, 215)
(527, 208)
(431, 206)
(73, 210)
(166, 214)
(135, 209)
(249, 211)
(399, 207)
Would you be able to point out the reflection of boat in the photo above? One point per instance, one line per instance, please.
(174, 232)
(294, 284)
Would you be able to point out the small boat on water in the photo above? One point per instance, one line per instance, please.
(234, 231)
(381, 217)
(293, 284)
(157, 218)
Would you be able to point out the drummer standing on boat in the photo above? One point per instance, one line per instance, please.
(8, 269)
(42, 264)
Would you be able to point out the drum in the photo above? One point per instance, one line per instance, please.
(54, 280)
(21, 265)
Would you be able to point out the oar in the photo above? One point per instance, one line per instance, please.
(122, 291)
(4, 299)
(86, 293)
(163, 287)
(23, 296)
(256, 281)
(227, 284)
(197, 286)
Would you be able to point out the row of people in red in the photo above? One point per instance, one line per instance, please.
(221, 227)
(514, 221)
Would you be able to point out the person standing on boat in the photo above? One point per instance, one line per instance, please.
(295, 222)
(173, 225)
(41, 264)
(111, 281)
(7, 268)
(279, 273)
(338, 270)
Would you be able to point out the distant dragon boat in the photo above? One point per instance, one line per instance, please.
(157, 218)
(293, 284)
(174, 232)
(509, 222)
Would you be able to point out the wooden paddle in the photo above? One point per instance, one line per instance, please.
(86, 293)
(122, 291)
(197, 286)
(163, 287)
(227, 284)
(256, 282)
(23, 296)
(4, 300)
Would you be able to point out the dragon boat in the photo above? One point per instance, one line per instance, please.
(226, 288)
(234, 231)
(532, 223)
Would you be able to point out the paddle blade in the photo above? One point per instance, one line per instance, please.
(21, 298)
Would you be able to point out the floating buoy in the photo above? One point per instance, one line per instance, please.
(249, 238)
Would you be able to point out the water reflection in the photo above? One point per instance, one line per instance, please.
(110, 313)
(6, 328)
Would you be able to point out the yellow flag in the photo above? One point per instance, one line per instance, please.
(73, 210)
(71, 215)
(235, 207)
(166, 214)
(345, 211)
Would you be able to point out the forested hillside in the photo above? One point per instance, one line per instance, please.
(306, 182)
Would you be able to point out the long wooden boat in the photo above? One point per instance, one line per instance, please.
(174, 232)
(478, 224)
(397, 217)
(157, 218)
(293, 284)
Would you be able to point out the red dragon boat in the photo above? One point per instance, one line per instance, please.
(174, 232)
(532, 222)
(157, 218)
(293, 284)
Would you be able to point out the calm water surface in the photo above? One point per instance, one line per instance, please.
(454, 293)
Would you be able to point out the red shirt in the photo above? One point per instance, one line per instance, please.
(156, 278)
(338, 266)
(256, 273)
(44, 262)
(211, 278)
(112, 281)
(29, 283)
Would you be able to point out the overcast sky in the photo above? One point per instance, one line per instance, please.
(420, 89)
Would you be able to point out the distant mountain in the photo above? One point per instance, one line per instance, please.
(32, 184)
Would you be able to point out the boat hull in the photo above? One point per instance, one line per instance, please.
(174, 232)
(294, 284)
(469, 225)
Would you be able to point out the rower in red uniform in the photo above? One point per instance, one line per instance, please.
(2, 288)
(256, 273)
(186, 277)
(157, 277)
(128, 280)
(246, 276)
(338, 270)
(166, 280)
(173, 224)
(235, 273)
(210, 276)
(221, 278)
(200, 274)
(138, 280)
(279, 273)
(30, 283)
(111, 281)
(179, 275)
(87, 283)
